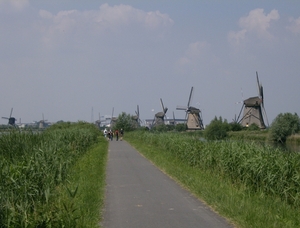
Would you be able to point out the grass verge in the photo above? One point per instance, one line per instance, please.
(86, 189)
(243, 207)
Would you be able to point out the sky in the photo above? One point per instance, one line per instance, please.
(72, 60)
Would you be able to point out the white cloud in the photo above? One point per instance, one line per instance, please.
(237, 37)
(108, 17)
(295, 25)
(16, 4)
(195, 51)
(45, 14)
(257, 23)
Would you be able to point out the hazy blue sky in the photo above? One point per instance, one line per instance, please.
(63, 58)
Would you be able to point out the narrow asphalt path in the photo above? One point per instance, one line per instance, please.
(139, 195)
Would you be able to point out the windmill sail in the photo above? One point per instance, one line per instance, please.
(159, 118)
(11, 120)
(136, 118)
(193, 115)
(254, 111)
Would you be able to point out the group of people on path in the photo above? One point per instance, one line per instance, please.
(110, 134)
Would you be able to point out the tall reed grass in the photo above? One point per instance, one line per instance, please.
(261, 168)
(32, 167)
(294, 139)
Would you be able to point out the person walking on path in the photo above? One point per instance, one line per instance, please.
(111, 135)
(121, 133)
(108, 135)
(117, 134)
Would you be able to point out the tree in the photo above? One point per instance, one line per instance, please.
(217, 129)
(283, 126)
(125, 122)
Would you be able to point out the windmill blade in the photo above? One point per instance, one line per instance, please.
(258, 86)
(190, 97)
(164, 109)
(138, 114)
(179, 107)
(5, 118)
(153, 122)
(186, 116)
(112, 114)
(263, 105)
(265, 114)
(237, 120)
(11, 112)
(162, 105)
(262, 93)
(173, 118)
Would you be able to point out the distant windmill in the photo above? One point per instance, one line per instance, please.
(254, 110)
(113, 119)
(136, 118)
(173, 121)
(42, 123)
(11, 120)
(98, 122)
(159, 118)
(193, 115)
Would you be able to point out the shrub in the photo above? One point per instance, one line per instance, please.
(217, 129)
(180, 127)
(235, 126)
(253, 127)
(283, 126)
(160, 128)
(125, 121)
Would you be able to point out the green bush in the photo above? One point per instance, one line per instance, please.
(180, 127)
(253, 127)
(160, 128)
(235, 126)
(217, 129)
(125, 122)
(283, 126)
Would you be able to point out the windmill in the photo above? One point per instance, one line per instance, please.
(159, 118)
(254, 110)
(113, 119)
(11, 120)
(136, 118)
(172, 121)
(98, 122)
(193, 115)
(42, 123)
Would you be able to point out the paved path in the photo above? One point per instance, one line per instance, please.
(139, 195)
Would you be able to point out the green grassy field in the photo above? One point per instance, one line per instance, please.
(47, 179)
(251, 185)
